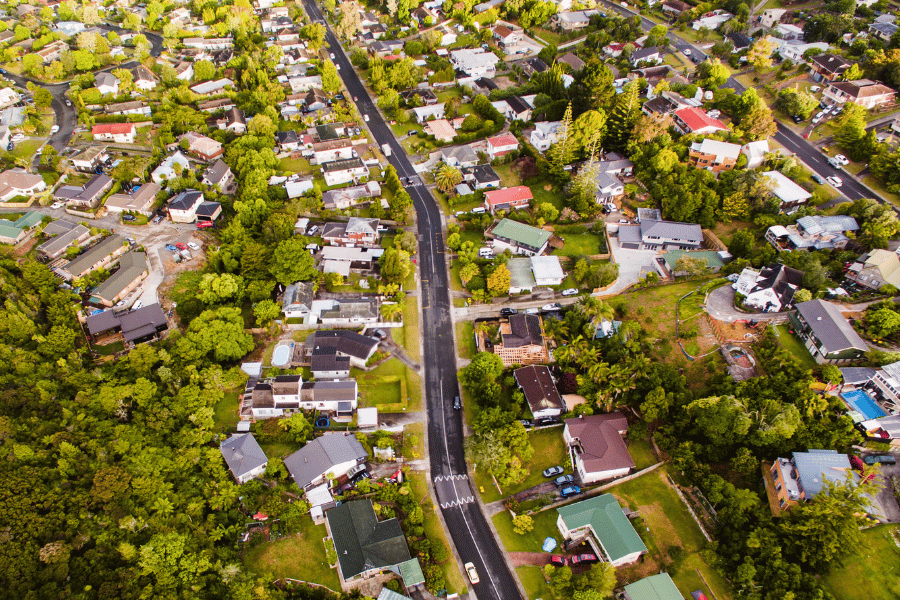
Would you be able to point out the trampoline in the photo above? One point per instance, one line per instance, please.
(281, 357)
(322, 422)
(863, 404)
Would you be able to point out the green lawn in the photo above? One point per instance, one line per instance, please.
(871, 573)
(26, 148)
(108, 349)
(435, 533)
(532, 579)
(582, 244)
(508, 178)
(226, 410)
(296, 165)
(301, 556)
(793, 345)
(549, 451)
(382, 385)
(465, 339)
(544, 526)
(413, 441)
(642, 453)
(279, 449)
(542, 194)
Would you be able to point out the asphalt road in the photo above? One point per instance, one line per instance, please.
(467, 525)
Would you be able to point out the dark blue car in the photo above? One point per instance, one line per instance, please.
(569, 491)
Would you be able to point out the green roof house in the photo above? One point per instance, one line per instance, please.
(13, 232)
(366, 546)
(519, 237)
(603, 522)
(655, 587)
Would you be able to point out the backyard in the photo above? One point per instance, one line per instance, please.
(226, 411)
(794, 346)
(300, 556)
(864, 575)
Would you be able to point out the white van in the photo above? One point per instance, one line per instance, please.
(486, 253)
(479, 210)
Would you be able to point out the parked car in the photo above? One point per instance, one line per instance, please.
(472, 573)
(171, 248)
(58, 204)
(526, 423)
(835, 181)
(68, 102)
(532, 311)
(553, 471)
(18, 137)
(796, 118)
(180, 246)
(380, 334)
(883, 459)
(818, 179)
(551, 307)
(569, 491)
(361, 475)
(564, 480)
(205, 224)
(313, 230)
(559, 561)
(582, 558)
(10, 146)
(457, 403)
(570, 292)
(193, 246)
(129, 218)
(507, 312)
(814, 88)
(137, 305)
(841, 159)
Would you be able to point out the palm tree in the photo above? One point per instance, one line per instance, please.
(447, 178)
(389, 312)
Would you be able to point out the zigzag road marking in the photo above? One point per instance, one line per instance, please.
(453, 490)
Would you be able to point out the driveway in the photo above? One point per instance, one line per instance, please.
(720, 306)
(632, 263)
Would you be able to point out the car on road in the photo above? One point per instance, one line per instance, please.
(472, 573)
(686, 51)
(457, 403)
(171, 248)
(355, 98)
(366, 118)
(559, 561)
(818, 179)
(884, 459)
(54, 129)
(508, 312)
(68, 102)
(332, 56)
(551, 307)
(193, 245)
(840, 158)
(129, 218)
(582, 558)
(57, 205)
(570, 292)
(181, 246)
(553, 471)
(532, 311)
(564, 480)
(569, 491)
(835, 181)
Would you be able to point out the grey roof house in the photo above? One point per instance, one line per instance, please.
(245, 459)
(297, 300)
(540, 391)
(326, 458)
(827, 334)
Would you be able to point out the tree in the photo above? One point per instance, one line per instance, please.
(315, 35)
(760, 54)
(802, 295)
(588, 131)
(882, 322)
(216, 288)
(851, 131)
(467, 272)
(407, 241)
(219, 332)
(266, 311)
(712, 74)
(796, 102)
(853, 73)
(447, 178)
(548, 53)
(742, 243)
(561, 153)
(22, 33)
(395, 265)
(204, 70)
(759, 123)
(42, 97)
(523, 524)
(623, 118)
(331, 81)
(498, 282)
(649, 127)
(298, 427)
(349, 22)
(292, 262)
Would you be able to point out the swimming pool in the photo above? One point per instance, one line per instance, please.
(281, 357)
(864, 404)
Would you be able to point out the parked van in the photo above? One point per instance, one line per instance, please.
(486, 253)
(479, 210)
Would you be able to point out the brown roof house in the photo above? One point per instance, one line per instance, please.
(828, 67)
(540, 391)
(522, 341)
(599, 448)
(865, 92)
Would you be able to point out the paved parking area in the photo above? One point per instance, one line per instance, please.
(631, 264)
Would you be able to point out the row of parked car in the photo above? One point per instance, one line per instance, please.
(566, 483)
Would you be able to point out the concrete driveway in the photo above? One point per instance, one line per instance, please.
(631, 264)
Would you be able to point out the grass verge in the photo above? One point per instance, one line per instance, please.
(435, 533)
(465, 339)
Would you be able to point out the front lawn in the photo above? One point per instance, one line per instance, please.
(300, 556)
(533, 581)
(581, 244)
(793, 345)
(549, 451)
(869, 573)
(544, 526)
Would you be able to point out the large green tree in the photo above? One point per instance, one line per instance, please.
(292, 262)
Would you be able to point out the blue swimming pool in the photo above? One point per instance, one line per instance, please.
(864, 404)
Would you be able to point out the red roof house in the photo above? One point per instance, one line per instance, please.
(501, 144)
(507, 198)
(695, 120)
(122, 133)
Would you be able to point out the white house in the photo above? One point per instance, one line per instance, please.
(755, 153)
(544, 135)
(502, 144)
(771, 289)
(331, 150)
(598, 446)
(475, 63)
(183, 207)
(245, 459)
(120, 133)
(143, 78)
(166, 169)
(18, 182)
(344, 171)
(8, 97)
(711, 20)
(428, 112)
(297, 300)
(107, 83)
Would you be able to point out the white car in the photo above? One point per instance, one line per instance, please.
(841, 159)
(472, 573)
(551, 307)
(569, 292)
(54, 129)
(814, 88)
(532, 311)
(18, 137)
(57, 205)
(366, 118)
(193, 246)
(686, 51)
(332, 56)
(137, 305)
(835, 181)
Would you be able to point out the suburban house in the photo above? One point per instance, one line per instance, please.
(345, 312)
(215, 105)
(202, 147)
(288, 141)
(134, 107)
(346, 349)
(167, 170)
(359, 232)
(650, 54)
(86, 196)
(106, 83)
(570, 59)
(351, 196)
(344, 171)
(121, 133)
(297, 300)
(338, 259)
(661, 235)
(714, 155)
(655, 587)
(792, 480)
(711, 20)
(101, 255)
(525, 274)
(52, 51)
(796, 50)
(183, 207)
(426, 96)
(882, 385)
(540, 391)
(13, 232)
(140, 200)
(235, 121)
(571, 21)
(814, 232)
(209, 212)
(771, 17)
(132, 327)
(441, 129)
(602, 522)
(500, 145)
(505, 36)
(459, 156)
(429, 112)
(366, 546)
(695, 120)
(286, 394)
(522, 341)
(132, 270)
(519, 237)
(207, 43)
(475, 63)
(608, 187)
(865, 92)
(875, 269)
(315, 99)
(507, 199)
(219, 176)
(544, 135)
(481, 177)
(826, 333)
(514, 108)
(770, 289)
(8, 97)
(755, 153)
(62, 235)
(143, 78)
(883, 31)
(598, 447)
(18, 182)
(827, 66)
(786, 190)
(674, 8)
(533, 66)
(339, 149)
(739, 41)
(333, 454)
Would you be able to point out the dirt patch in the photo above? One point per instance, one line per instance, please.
(25, 247)
(548, 187)
(529, 559)
(504, 82)
(573, 400)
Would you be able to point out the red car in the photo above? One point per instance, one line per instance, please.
(582, 558)
(559, 561)
(181, 246)
(204, 224)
